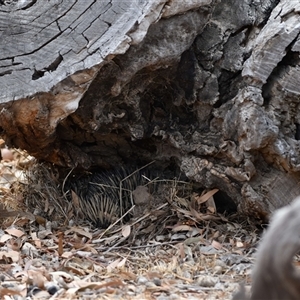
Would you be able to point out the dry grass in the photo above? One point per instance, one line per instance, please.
(176, 248)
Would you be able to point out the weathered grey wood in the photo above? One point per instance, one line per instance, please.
(271, 44)
(210, 87)
(42, 42)
(274, 277)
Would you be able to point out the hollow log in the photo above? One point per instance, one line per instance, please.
(209, 87)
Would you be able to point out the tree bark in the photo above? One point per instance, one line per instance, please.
(208, 86)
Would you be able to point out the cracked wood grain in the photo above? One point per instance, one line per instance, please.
(43, 42)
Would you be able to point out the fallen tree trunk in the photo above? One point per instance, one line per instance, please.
(208, 87)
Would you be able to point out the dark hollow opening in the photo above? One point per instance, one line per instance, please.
(224, 204)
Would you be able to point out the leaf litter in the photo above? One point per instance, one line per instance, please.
(181, 248)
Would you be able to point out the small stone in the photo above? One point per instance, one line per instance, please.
(150, 284)
(41, 295)
(207, 281)
(52, 289)
(220, 263)
(218, 270)
(142, 280)
(29, 249)
(157, 281)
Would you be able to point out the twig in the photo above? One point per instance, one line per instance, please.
(121, 182)
(117, 221)
(64, 182)
(139, 247)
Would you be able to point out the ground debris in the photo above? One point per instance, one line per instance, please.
(179, 249)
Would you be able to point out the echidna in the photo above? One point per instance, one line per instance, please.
(104, 197)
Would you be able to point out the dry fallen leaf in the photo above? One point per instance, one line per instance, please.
(113, 265)
(125, 275)
(14, 232)
(122, 263)
(79, 231)
(57, 274)
(211, 206)
(8, 292)
(7, 154)
(38, 280)
(13, 255)
(4, 213)
(79, 266)
(40, 220)
(5, 237)
(239, 244)
(67, 254)
(177, 228)
(36, 240)
(216, 245)
(126, 231)
(203, 217)
(203, 198)
(88, 248)
(82, 285)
